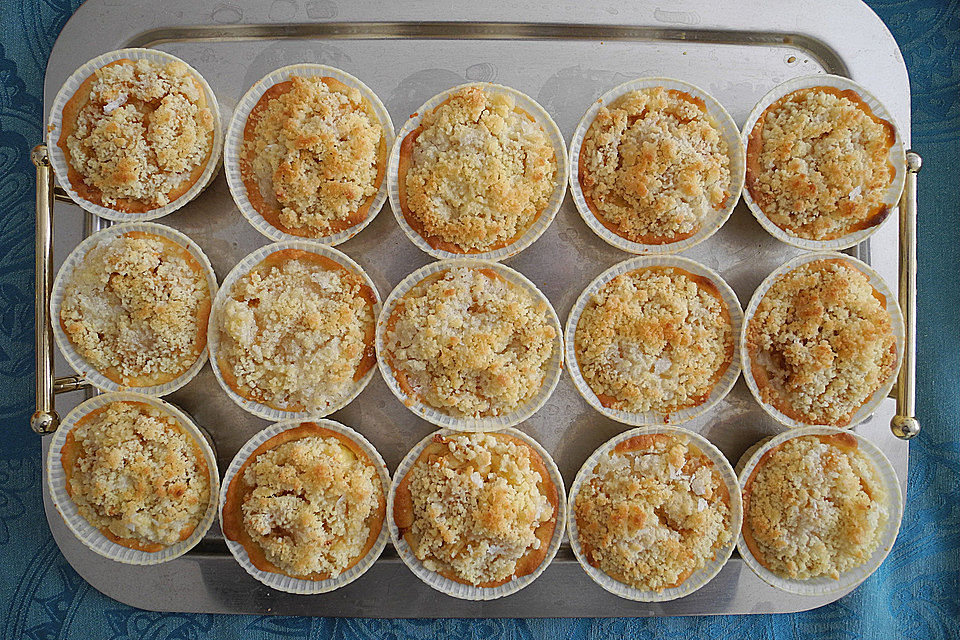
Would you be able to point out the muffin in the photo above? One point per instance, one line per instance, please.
(479, 509)
(476, 173)
(308, 503)
(296, 331)
(312, 156)
(653, 511)
(818, 163)
(135, 306)
(655, 339)
(137, 134)
(654, 166)
(814, 506)
(820, 342)
(137, 475)
(469, 343)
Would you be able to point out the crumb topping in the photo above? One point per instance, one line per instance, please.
(311, 504)
(469, 343)
(142, 132)
(313, 152)
(295, 334)
(653, 165)
(652, 512)
(821, 342)
(481, 172)
(818, 164)
(813, 509)
(136, 309)
(138, 475)
(477, 505)
(654, 339)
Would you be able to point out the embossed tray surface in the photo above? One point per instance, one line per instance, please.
(563, 54)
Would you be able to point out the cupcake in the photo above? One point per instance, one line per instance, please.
(821, 342)
(292, 331)
(654, 513)
(307, 149)
(131, 306)
(133, 478)
(477, 515)
(304, 506)
(137, 134)
(478, 170)
(469, 344)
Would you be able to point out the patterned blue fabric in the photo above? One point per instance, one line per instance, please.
(914, 594)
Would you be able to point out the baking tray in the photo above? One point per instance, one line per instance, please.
(564, 54)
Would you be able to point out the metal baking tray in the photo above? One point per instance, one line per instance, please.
(564, 54)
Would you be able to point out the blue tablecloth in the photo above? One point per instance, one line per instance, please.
(913, 595)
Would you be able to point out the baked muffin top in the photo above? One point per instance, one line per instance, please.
(654, 339)
(821, 342)
(818, 165)
(136, 308)
(814, 506)
(653, 166)
(652, 512)
(476, 173)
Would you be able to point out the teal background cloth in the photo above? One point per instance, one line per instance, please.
(913, 595)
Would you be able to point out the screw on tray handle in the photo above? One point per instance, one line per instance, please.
(905, 424)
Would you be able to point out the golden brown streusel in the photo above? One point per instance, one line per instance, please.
(654, 339)
(312, 149)
(653, 165)
(481, 171)
(652, 512)
(814, 506)
(469, 343)
(141, 134)
(479, 506)
(296, 332)
(136, 309)
(817, 163)
(137, 475)
(821, 342)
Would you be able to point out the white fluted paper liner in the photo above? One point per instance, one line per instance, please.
(719, 390)
(896, 320)
(213, 332)
(281, 581)
(826, 585)
(699, 577)
(549, 127)
(554, 365)
(452, 587)
(64, 276)
(897, 156)
(233, 144)
(59, 160)
(714, 220)
(92, 537)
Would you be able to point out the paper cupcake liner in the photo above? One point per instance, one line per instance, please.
(716, 219)
(849, 579)
(752, 449)
(283, 582)
(719, 390)
(430, 414)
(699, 577)
(897, 157)
(452, 587)
(92, 537)
(896, 319)
(213, 331)
(75, 259)
(550, 128)
(233, 143)
(59, 161)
